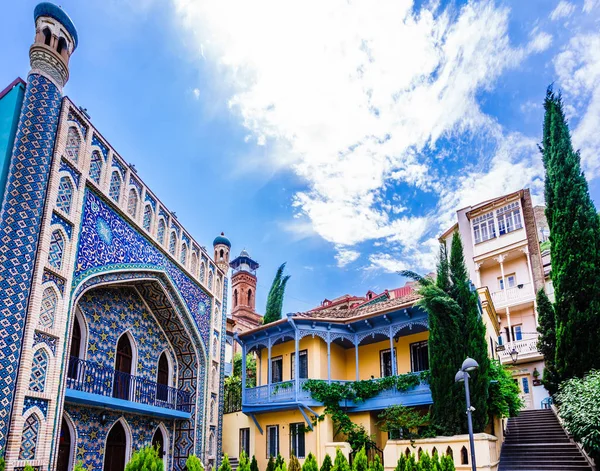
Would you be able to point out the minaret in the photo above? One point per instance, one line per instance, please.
(243, 292)
(222, 247)
(27, 183)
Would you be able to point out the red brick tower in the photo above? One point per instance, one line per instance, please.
(243, 292)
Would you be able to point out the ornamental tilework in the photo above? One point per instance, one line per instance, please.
(92, 432)
(101, 145)
(39, 368)
(120, 166)
(49, 340)
(75, 119)
(136, 183)
(30, 402)
(147, 220)
(175, 227)
(31, 428)
(185, 238)
(151, 200)
(66, 225)
(160, 232)
(96, 167)
(65, 195)
(48, 308)
(115, 186)
(73, 144)
(57, 280)
(163, 213)
(20, 221)
(222, 378)
(57, 246)
(66, 167)
(110, 312)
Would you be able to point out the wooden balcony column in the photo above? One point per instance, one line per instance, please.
(244, 372)
(393, 356)
(500, 259)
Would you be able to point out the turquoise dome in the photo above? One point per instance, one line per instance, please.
(53, 11)
(222, 240)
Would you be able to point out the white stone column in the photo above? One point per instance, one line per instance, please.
(500, 259)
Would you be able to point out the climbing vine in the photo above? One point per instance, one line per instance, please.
(335, 395)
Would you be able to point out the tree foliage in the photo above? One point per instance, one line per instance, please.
(225, 464)
(504, 394)
(310, 463)
(294, 464)
(146, 459)
(547, 340)
(360, 462)
(574, 247)
(406, 419)
(244, 463)
(580, 409)
(193, 463)
(254, 464)
(327, 464)
(376, 464)
(425, 463)
(250, 368)
(280, 463)
(340, 463)
(275, 296)
(271, 464)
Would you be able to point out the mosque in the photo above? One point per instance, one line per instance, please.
(113, 318)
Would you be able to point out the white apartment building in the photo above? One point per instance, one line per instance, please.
(502, 252)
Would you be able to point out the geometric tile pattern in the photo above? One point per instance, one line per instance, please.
(49, 340)
(31, 428)
(151, 200)
(222, 379)
(20, 221)
(57, 280)
(129, 249)
(210, 279)
(114, 190)
(82, 127)
(135, 182)
(65, 195)
(39, 368)
(172, 243)
(117, 163)
(147, 217)
(96, 167)
(73, 144)
(65, 166)
(30, 402)
(183, 255)
(160, 233)
(101, 145)
(162, 212)
(132, 203)
(55, 253)
(175, 227)
(48, 308)
(91, 432)
(58, 219)
(202, 271)
(185, 238)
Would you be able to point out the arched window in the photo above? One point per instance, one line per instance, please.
(221, 253)
(114, 191)
(160, 233)
(65, 447)
(65, 195)
(29, 438)
(132, 203)
(75, 353)
(249, 297)
(194, 266)
(215, 378)
(434, 452)
(450, 453)
(162, 378)
(73, 144)
(172, 243)
(464, 456)
(96, 167)
(39, 368)
(419, 452)
(48, 308)
(235, 298)
(211, 444)
(407, 452)
(202, 272)
(158, 442)
(218, 286)
(47, 36)
(57, 246)
(215, 345)
(147, 223)
(183, 256)
(115, 453)
(212, 409)
(123, 368)
(61, 46)
(210, 279)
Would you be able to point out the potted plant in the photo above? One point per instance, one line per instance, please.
(536, 376)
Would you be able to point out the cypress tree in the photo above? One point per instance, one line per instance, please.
(327, 464)
(275, 296)
(442, 279)
(471, 323)
(254, 464)
(547, 340)
(574, 247)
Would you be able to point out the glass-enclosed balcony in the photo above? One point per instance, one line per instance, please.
(94, 384)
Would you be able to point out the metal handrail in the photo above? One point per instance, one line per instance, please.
(95, 378)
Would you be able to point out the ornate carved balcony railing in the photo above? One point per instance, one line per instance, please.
(526, 349)
(94, 378)
(514, 295)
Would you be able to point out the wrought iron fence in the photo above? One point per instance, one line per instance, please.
(95, 378)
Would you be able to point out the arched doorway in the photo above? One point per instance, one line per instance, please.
(162, 378)
(122, 380)
(158, 442)
(116, 448)
(64, 447)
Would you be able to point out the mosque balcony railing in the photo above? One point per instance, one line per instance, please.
(94, 378)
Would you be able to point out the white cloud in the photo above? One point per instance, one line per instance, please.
(196, 92)
(345, 256)
(386, 262)
(351, 96)
(564, 9)
(578, 68)
(588, 5)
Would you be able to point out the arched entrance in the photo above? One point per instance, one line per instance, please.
(64, 447)
(158, 442)
(116, 449)
(75, 353)
(123, 364)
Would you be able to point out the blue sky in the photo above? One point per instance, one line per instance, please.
(337, 136)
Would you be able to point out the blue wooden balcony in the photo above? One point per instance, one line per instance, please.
(94, 384)
(291, 394)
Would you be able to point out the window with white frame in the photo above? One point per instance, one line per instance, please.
(483, 227)
(297, 441)
(511, 281)
(509, 218)
(277, 369)
(385, 362)
(419, 356)
(272, 440)
(303, 366)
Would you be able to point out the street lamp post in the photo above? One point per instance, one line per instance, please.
(463, 376)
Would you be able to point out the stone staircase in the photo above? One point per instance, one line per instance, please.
(234, 462)
(535, 440)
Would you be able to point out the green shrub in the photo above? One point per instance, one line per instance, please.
(376, 464)
(28, 467)
(244, 463)
(254, 464)
(294, 464)
(78, 467)
(193, 463)
(340, 463)
(225, 465)
(401, 465)
(425, 463)
(580, 408)
(271, 464)
(327, 464)
(280, 462)
(360, 462)
(2, 462)
(146, 459)
(447, 463)
(310, 463)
